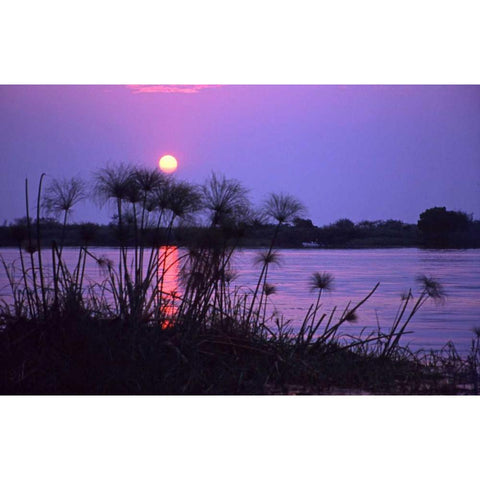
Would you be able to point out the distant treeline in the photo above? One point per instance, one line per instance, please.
(436, 228)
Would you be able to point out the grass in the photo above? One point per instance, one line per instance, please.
(128, 335)
(84, 356)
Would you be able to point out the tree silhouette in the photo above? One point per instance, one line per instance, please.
(439, 226)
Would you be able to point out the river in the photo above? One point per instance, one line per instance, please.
(355, 273)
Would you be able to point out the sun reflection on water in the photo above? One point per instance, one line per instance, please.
(168, 282)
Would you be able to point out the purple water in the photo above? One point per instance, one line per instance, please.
(355, 273)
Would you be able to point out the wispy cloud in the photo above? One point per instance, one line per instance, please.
(169, 88)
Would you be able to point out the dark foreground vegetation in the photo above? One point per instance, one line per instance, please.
(78, 355)
(129, 334)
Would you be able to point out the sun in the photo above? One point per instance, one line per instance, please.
(168, 164)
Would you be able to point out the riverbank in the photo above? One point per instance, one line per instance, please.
(78, 355)
(389, 234)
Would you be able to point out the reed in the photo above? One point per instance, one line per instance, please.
(126, 334)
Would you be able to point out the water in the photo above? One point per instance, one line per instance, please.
(355, 273)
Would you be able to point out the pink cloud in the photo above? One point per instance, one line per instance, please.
(169, 88)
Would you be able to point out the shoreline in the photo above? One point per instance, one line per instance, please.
(257, 247)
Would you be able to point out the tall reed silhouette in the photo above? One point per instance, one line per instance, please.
(113, 184)
(282, 208)
(207, 273)
(59, 199)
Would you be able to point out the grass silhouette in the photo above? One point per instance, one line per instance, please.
(126, 334)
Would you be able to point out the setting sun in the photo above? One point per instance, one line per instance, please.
(168, 164)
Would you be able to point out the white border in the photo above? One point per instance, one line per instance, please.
(208, 42)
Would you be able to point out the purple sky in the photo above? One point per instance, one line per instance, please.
(360, 152)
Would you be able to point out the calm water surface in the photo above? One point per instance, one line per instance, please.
(355, 273)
